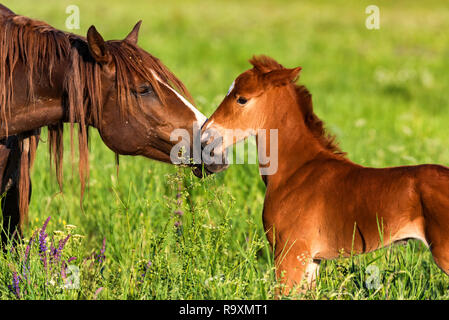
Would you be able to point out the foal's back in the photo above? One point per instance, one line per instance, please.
(343, 207)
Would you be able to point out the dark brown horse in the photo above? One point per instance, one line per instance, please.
(318, 203)
(48, 77)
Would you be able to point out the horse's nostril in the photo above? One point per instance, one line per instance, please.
(206, 136)
(205, 140)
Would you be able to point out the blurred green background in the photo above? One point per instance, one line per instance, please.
(384, 93)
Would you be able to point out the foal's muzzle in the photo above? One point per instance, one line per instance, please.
(212, 154)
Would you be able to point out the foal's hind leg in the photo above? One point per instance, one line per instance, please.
(437, 236)
(434, 190)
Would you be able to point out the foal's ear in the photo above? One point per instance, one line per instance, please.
(281, 77)
(133, 36)
(97, 46)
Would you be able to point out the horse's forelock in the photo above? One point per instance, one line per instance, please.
(131, 61)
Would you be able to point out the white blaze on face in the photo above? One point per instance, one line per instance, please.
(201, 118)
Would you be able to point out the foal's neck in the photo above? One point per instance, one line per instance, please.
(297, 145)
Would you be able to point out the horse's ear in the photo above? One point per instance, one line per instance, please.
(133, 36)
(97, 46)
(4, 11)
(281, 77)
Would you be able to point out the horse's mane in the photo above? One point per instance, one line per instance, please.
(41, 49)
(266, 64)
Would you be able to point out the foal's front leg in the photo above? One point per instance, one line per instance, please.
(297, 271)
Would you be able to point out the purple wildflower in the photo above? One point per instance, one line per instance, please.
(71, 259)
(145, 270)
(52, 248)
(179, 213)
(52, 252)
(30, 242)
(64, 265)
(101, 256)
(62, 243)
(16, 284)
(58, 251)
(25, 264)
(43, 236)
(28, 248)
(43, 243)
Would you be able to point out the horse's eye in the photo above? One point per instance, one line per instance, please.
(242, 101)
(144, 90)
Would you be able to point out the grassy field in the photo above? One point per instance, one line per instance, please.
(383, 92)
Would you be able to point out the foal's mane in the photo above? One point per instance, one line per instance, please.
(43, 49)
(264, 64)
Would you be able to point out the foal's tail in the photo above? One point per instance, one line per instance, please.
(27, 147)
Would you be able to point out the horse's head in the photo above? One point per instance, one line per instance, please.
(141, 102)
(247, 107)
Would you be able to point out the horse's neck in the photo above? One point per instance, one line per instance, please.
(45, 107)
(296, 145)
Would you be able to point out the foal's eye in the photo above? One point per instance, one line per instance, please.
(242, 101)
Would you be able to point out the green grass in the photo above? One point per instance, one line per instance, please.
(384, 93)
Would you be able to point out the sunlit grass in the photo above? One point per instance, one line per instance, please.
(384, 93)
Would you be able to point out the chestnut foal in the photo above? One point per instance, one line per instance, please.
(318, 203)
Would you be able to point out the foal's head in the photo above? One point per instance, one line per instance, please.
(252, 100)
